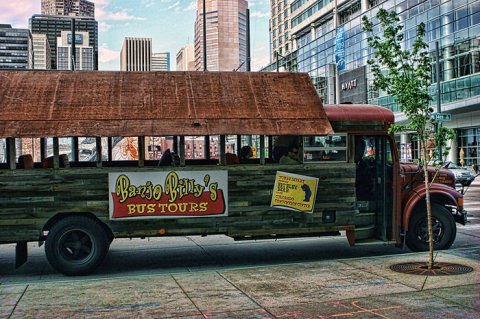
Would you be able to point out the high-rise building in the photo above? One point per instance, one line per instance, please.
(53, 26)
(41, 52)
(161, 61)
(81, 8)
(16, 50)
(280, 41)
(83, 51)
(186, 58)
(226, 39)
(136, 54)
(454, 25)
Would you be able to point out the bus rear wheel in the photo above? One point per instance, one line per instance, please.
(444, 229)
(76, 245)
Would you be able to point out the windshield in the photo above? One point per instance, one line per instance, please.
(453, 166)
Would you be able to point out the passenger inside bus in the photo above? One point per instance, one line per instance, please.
(245, 153)
(63, 161)
(25, 161)
(291, 157)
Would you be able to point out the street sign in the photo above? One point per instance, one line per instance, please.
(442, 117)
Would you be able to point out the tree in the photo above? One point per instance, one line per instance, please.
(405, 74)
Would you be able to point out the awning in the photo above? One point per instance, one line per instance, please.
(66, 103)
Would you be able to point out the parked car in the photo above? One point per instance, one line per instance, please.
(463, 176)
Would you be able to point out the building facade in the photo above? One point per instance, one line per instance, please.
(226, 36)
(16, 51)
(41, 52)
(81, 8)
(83, 52)
(455, 25)
(186, 58)
(136, 54)
(280, 40)
(53, 26)
(161, 61)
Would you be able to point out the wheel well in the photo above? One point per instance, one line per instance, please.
(442, 200)
(58, 217)
(439, 199)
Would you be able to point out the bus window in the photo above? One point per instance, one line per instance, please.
(125, 148)
(29, 146)
(331, 148)
(87, 149)
(195, 147)
(3, 150)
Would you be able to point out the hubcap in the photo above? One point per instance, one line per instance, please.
(76, 246)
(437, 228)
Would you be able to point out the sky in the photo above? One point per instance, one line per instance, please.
(168, 22)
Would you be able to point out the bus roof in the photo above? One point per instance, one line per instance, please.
(66, 103)
(359, 113)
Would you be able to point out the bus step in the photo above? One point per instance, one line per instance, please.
(374, 241)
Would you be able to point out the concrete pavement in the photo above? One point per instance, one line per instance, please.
(314, 286)
(342, 288)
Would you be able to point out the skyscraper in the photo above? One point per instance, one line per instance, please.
(82, 8)
(136, 54)
(83, 51)
(15, 48)
(280, 40)
(226, 35)
(41, 52)
(317, 26)
(186, 58)
(53, 26)
(161, 61)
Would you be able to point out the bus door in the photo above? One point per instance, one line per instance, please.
(374, 180)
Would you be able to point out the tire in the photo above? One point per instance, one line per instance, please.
(76, 245)
(444, 229)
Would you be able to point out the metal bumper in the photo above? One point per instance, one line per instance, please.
(461, 217)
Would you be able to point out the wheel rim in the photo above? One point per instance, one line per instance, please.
(76, 246)
(437, 228)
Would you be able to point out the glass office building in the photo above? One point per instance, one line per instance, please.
(454, 24)
(53, 26)
(16, 50)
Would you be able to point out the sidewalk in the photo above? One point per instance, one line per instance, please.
(343, 288)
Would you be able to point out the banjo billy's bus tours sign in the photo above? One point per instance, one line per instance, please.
(168, 194)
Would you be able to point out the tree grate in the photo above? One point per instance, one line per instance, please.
(439, 269)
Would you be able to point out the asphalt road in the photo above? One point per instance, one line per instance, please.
(189, 254)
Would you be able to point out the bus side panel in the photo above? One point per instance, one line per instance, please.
(29, 198)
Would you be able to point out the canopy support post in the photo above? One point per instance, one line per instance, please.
(56, 153)
(141, 151)
(222, 156)
(98, 145)
(181, 153)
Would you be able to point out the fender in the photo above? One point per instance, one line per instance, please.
(419, 193)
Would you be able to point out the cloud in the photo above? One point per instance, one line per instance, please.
(11, 12)
(102, 13)
(192, 6)
(106, 55)
(148, 3)
(260, 57)
(258, 14)
(103, 26)
(174, 6)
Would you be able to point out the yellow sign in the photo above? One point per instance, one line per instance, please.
(294, 192)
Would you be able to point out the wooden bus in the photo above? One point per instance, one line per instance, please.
(319, 169)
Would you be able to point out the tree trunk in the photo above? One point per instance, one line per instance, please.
(429, 209)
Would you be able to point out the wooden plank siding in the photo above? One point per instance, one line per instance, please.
(29, 198)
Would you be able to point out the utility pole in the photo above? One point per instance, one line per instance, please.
(204, 36)
(439, 96)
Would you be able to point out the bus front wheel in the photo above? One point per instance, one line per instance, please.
(443, 225)
(76, 245)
